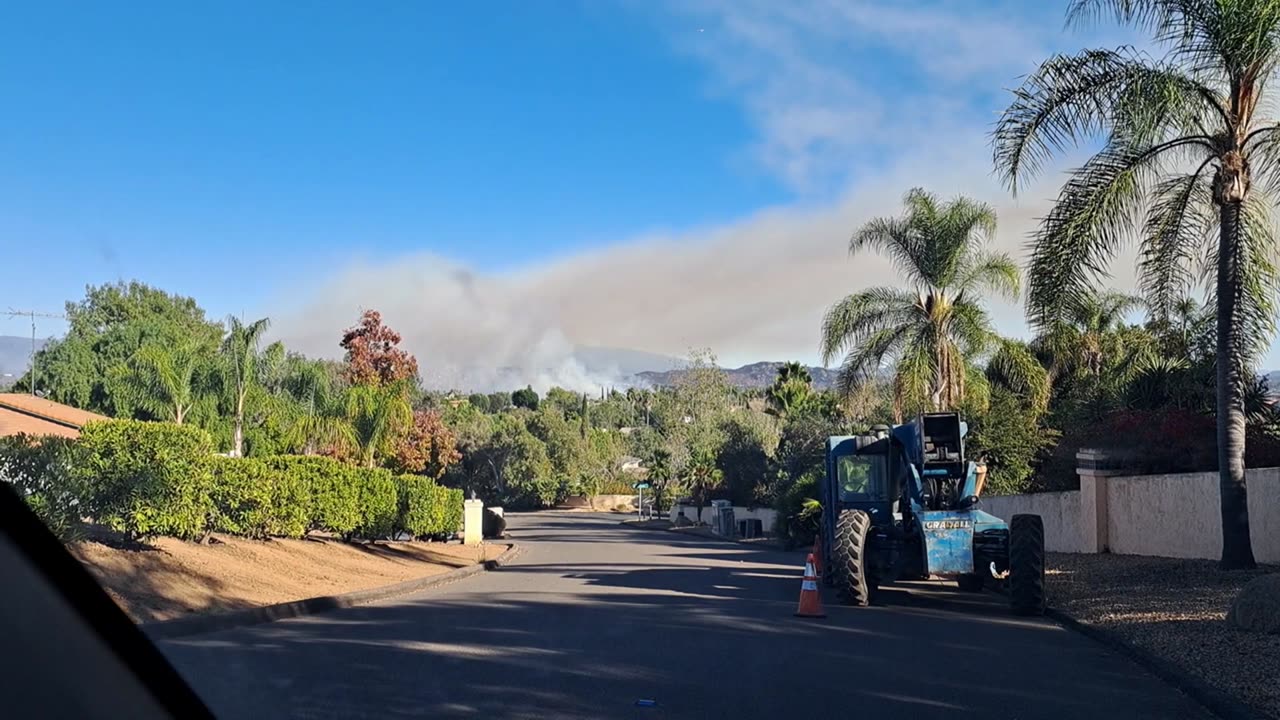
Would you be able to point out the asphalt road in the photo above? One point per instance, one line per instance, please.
(593, 617)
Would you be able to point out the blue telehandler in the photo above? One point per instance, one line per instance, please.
(902, 504)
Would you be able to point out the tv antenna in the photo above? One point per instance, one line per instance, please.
(32, 315)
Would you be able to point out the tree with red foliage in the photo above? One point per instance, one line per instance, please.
(372, 355)
(429, 447)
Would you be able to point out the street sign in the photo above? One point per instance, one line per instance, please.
(641, 486)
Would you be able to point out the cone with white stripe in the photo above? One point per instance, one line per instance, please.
(810, 598)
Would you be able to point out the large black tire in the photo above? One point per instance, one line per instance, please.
(849, 556)
(971, 582)
(1026, 564)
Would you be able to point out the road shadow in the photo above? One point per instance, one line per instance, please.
(705, 630)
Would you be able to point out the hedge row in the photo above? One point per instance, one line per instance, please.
(146, 479)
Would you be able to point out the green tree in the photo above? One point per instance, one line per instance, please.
(499, 401)
(790, 390)
(525, 398)
(521, 471)
(241, 364)
(105, 330)
(1188, 155)
(312, 406)
(163, 380)
(933, 331)
(378, 414)
(745, 457)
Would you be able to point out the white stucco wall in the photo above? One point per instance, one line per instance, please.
(1165, 515)
(767, 516)
(1178, 515)
(1059, 510)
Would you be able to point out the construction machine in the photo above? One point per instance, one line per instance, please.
(903, 503)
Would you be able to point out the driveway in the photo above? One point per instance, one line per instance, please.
(593, 619)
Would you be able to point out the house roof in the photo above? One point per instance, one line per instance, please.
(32, 415)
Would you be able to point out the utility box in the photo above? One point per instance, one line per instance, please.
(750, 528)
(722, 518)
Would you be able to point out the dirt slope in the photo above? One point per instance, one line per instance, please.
(171, 578)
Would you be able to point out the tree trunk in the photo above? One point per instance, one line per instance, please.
(237, 435)
(1237, 551)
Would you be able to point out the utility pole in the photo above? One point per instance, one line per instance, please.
(33, 314)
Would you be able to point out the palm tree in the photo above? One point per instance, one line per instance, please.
(1091, 338)
(161, 379)
(1186, 159)
(932, 331)
(240, 356)
(316, 410)
(790, 390)
(376, 414)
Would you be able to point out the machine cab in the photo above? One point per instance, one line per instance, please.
(862, 474)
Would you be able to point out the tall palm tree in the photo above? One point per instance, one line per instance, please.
(240, 356)
(376, 414)
(1187, 163)
(932, 331)
(161, 379)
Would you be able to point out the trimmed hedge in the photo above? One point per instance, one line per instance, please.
(146, 479)
(379, 503)
(428, 510)
(334, 503)
(254, 499)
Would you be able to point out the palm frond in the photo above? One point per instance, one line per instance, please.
(863, 364)
(850, 322)
(990, 271)
(1179, 221)
(1014, 367)
(895, 238)
(1071, 99)
(1096, 210)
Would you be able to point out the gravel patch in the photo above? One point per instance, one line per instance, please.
(1175, 609)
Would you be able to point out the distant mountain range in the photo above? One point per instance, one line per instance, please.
(15, 356)
(755, 375)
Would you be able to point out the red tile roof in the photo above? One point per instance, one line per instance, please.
(32, 415)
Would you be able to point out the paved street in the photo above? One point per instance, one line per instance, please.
(592, 617)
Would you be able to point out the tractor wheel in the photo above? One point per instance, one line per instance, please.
(849, 558)
(970, 582)
(1026, 564)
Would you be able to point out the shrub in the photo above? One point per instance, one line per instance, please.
(292, 498)
(379, 503)
(427, 509)
(40, 470)
(255, 499)
(145, 478)
(616, 486)
(242, 497)
(798, 510)
(333, 488)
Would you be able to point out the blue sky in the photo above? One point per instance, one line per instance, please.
(156, 141)
(657, 175)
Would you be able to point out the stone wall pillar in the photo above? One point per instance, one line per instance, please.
(472, 522)
(1095, 468)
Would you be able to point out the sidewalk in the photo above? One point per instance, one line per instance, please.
(1175, 610)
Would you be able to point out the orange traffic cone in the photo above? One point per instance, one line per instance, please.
(817, 555)
(810, 598)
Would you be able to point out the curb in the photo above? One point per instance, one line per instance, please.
(181, 627)
(1215, 701)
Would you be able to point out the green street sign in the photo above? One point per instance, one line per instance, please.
(641, 486)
